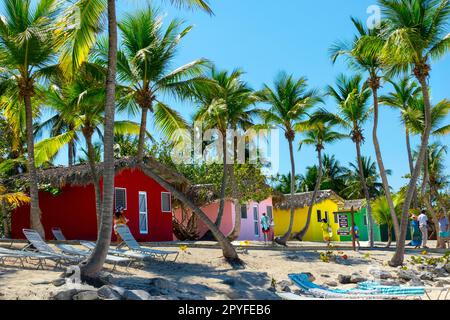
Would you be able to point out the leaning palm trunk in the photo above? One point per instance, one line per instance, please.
(366, 193)
(411, 164)
(387, 190)
(283, 240)
(399, 255)
(35, 211)
(95, 177)
(228, 250)
(389, 231)
(237, 207)
(302, 233)
(90, 270)
(142, 132)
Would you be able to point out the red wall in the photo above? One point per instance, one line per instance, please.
(74, 210)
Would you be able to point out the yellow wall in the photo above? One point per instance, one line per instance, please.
(281, 219)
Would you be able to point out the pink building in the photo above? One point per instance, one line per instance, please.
(250, 218)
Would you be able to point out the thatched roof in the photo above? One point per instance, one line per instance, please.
(80, 175)
(355, 204)
(303, 199)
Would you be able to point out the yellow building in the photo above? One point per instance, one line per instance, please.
(327, 204)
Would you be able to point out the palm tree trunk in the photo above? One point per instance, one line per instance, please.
(389, 237)
(434, 219)
(302, 233)
(425, 175)
(283, 240)
(35, 211)
(399, 255)
(228, 250)
(95, 176)
(224, 181)
(411, 164)
(237, 207)
(142, 132)
(236, 197)
(70, 153)
(91, 269)
(366, 193)
(379, 157)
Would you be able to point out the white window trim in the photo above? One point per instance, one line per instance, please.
(170, 202)
(257, 231)
(126, 199)
(146, 213)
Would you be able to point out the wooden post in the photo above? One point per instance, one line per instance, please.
(352, 214)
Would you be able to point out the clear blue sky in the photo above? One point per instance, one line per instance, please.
(264, 37)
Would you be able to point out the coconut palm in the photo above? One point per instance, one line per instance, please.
(144, 58)
(353, 111)
(415, 34)
(316, 134)
(405, 91)
(289, 101)
(91, 269)
(353, 189)
(368, 59)
(333, 174)
(28, 43)
(382, 214)
(225, 103)
(283, 183)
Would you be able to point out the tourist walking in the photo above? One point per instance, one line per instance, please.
(327, 232)
(423, 226)
(415, 232)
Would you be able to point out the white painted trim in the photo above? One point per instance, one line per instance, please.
(126, 197)
(144, 193)
(170, 202)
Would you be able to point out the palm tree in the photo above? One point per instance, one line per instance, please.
(316, 134)
(283, 183)
(144, 61)
(382, 214)
(333, 174)
(367, 58)
(353, 112)
(415, 34)
(80, 104)
(353, 181)
(405, 91)
(91, 269)
(28, 43)
(289, 102)
(225, 104)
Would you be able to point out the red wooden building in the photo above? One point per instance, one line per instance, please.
(148, 206)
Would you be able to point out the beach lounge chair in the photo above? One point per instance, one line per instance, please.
(302, 281)
(401, 291)
(135, 256)
(58, 234)
(42, 247)
(131, 243)
(21, 256)
(9, 242)
(114, 260)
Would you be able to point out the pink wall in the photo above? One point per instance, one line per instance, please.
(247, 225)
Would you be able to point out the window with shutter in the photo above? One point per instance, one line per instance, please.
(270, 212)
(143, 213)
(319, 216)
(243, 211)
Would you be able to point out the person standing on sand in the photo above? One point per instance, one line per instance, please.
(327, 233)
(265, 227)
(415, 232)
(423, 226)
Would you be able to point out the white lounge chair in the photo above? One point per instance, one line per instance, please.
(135, 256)
(114, 260)
(131, 243)
(21, 256)
(42, 247)
(58, 234)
